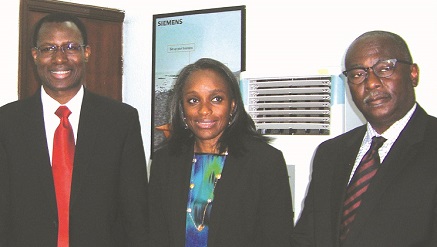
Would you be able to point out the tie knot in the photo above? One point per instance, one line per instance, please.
(63, 111)
(377, 142)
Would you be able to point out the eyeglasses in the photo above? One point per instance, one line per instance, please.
(381, 69)
(68, 49)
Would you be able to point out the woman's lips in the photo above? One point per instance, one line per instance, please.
(205, 124)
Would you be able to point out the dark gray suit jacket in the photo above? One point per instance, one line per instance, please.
(400, 205)
(252, 201)
(109, 184)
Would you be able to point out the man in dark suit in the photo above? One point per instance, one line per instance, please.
(397, 206)
(108, 199)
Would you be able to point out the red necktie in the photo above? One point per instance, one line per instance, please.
(62, 168)
(360, 182)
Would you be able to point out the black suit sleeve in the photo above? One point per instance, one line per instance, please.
(4, 199)
(276, 204)
(159, 235)
(133, 186)
(303, 234)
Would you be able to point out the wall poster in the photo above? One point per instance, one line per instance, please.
(182, 38)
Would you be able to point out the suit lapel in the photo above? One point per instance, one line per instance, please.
(230, 176)
(179, 178)
(37, 147)
(86, 139)
(400, 155)
(340, 177)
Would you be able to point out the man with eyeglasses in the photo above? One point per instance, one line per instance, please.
(72, 163)
(386, 196)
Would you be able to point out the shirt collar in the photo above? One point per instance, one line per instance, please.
(51, 105)
(393, 131)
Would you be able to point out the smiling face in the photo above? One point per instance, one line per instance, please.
(207, 107)
(61, 74)
(382, 101)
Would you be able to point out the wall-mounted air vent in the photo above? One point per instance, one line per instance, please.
(289, 105)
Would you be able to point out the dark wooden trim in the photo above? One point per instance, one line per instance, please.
(23, 50)
(80, 10)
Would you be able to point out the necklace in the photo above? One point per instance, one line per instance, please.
(209, 166)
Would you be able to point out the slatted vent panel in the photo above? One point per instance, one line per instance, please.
(291, 105)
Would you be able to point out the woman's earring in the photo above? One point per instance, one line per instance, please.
(230, 119)
(185, 124)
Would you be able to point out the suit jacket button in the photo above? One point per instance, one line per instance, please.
(55, 224)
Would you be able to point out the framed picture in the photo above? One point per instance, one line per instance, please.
(182, 38)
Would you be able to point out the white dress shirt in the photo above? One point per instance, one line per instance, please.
(391, 134)
(51, 120)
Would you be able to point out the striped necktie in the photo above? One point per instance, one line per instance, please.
(363, 175)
